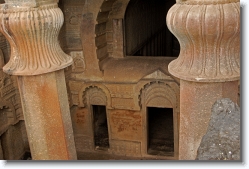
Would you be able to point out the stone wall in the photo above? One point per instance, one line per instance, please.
(94, 34)
(126, 107)
(122, 82)
(14, 143)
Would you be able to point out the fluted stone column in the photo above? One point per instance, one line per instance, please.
(32, 28)
(208, 64)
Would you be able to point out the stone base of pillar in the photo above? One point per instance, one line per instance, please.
(47, 116)
(196, 103)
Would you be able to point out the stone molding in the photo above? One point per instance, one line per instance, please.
(33, 36)
(209, 36)
(102, 88)
(205, 2)
(29, 3)
(147, 90)
(94, 96)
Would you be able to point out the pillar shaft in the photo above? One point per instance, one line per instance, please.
(32, 28)
(208, 64)
(47, 116)
(196, 101)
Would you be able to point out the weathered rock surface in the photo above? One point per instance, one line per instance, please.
(222, 140)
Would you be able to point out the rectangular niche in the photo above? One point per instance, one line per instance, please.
(100, 127)
(160, 138)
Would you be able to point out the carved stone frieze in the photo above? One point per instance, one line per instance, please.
(36, 49)
(10, 105)
(72, 13)
(209, 36)
(78, 65)
(7, 88)
(148, 91)
(103, 99)
(161, 90)
(95, 96)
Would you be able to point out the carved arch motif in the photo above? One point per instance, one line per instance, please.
(98, 94)
(163, 89)
(157, 89)
(94, 96)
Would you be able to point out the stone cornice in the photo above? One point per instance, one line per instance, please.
(33, 37)
(209, 37)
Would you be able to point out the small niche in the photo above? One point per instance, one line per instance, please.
(101, 136)
(160, 131)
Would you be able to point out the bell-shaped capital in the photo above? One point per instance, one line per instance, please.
(32, 28)
(209, 35)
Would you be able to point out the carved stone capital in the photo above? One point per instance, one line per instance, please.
(209, 36)
(32, 30)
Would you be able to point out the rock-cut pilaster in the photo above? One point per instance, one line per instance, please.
(208, 65)
(32, 28)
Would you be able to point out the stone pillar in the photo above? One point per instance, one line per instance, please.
(208, 64)
(32, 28)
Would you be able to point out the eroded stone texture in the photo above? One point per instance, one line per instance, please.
(44, 21)
(222, 140)
(35, 51)
(209, 35)
(126, 106)
(196, 100)
(49, 128)
(11, 115)
(12, 143)
(102, 75)
(208, 64)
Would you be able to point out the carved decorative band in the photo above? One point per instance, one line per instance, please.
(206, 2)
(33, 36)
(29, 3)
(209, 37)
(5, 8)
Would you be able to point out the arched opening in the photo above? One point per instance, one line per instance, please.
(160, 118)
(146, 32)
(97, 127)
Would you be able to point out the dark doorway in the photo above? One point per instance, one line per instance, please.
(146, 32)
(160, 131)
(101, 137)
